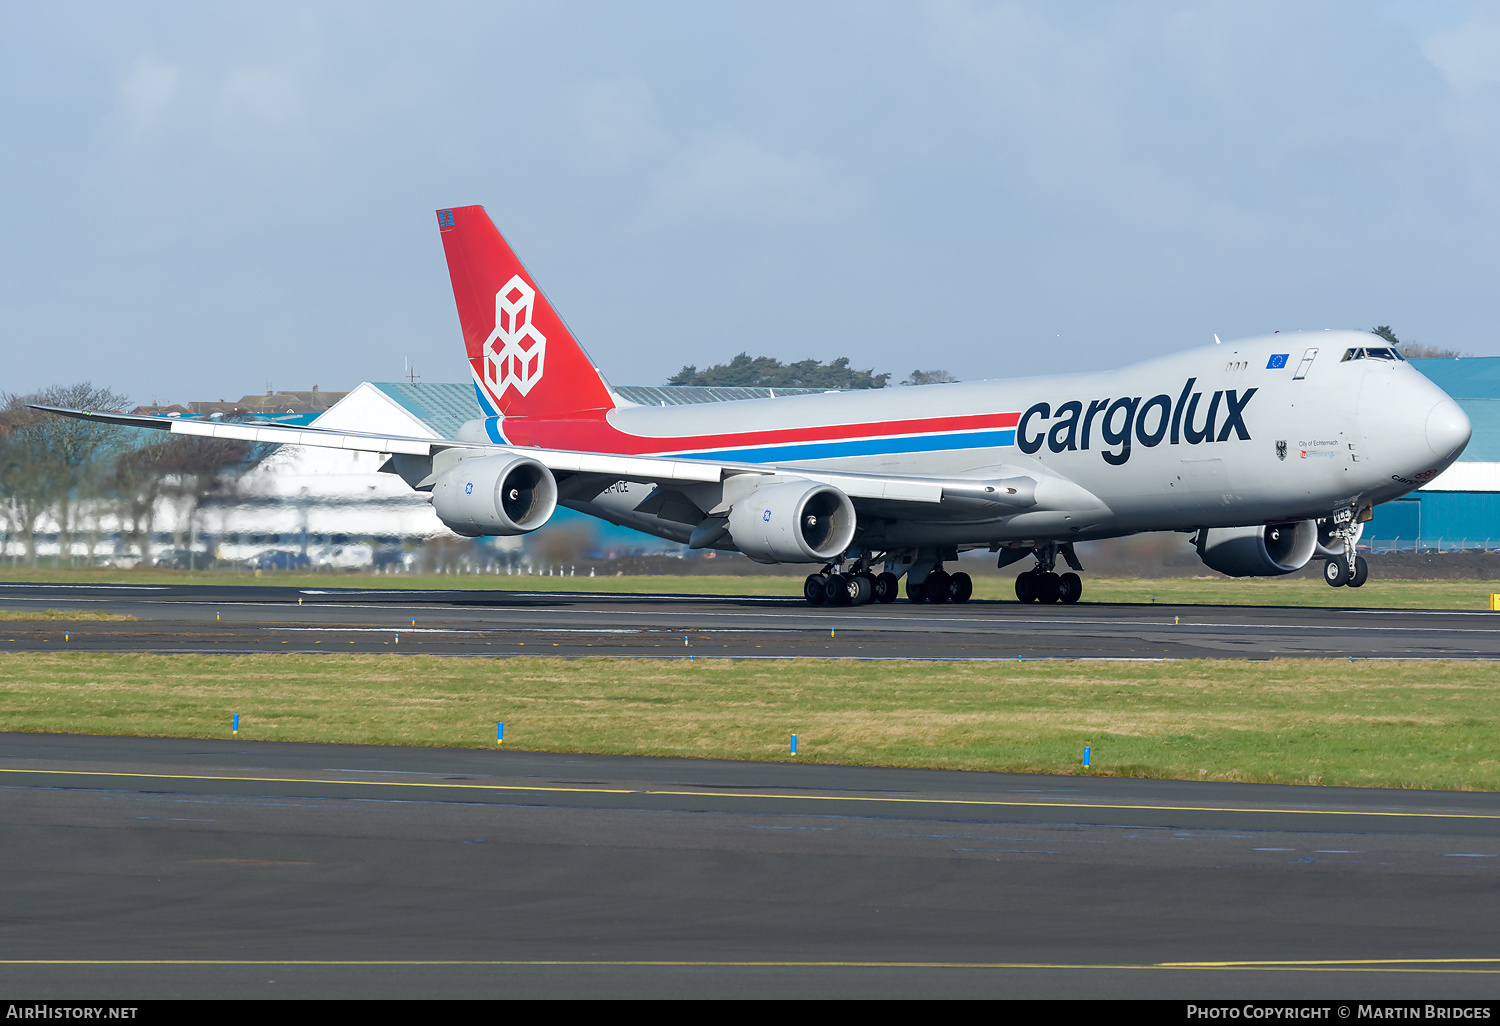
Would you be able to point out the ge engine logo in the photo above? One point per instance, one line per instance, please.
(767, 517)
(514, 351)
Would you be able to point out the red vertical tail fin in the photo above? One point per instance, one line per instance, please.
(525, 361)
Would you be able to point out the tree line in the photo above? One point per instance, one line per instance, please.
(746, 371)
(768, 372)
(83, 476)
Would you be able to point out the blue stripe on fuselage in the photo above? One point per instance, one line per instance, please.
(861, 447)
(484, 402)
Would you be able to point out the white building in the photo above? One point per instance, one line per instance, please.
(336, 508)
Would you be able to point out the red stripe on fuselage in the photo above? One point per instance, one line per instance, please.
(597, 435)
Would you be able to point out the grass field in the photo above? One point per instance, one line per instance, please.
(1376, 723)
(62, 614)
(1275, 591)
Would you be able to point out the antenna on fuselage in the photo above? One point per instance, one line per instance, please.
(1216, 341)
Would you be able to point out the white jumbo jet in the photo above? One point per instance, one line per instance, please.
(1271, 451)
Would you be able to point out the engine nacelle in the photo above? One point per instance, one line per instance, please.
(795, 522)
(1268, 551)
(496, 495)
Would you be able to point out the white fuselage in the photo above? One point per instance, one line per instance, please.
(1264, 430)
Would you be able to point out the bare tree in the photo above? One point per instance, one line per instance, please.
(56, 465)
(24, 486)
(80, 452)
(928, 377)
(181, 469)
(197, 468)
(136, 486)
(1416, 350)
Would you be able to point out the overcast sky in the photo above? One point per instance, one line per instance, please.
(200, 200)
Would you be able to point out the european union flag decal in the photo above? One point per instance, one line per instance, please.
(1276, 362)
(445, 220)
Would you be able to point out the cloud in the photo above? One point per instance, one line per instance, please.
(143, 94)
(1469, 54)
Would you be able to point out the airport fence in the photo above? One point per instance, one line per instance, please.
(1378, 546)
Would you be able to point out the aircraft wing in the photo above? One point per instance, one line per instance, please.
(643, 468)
(1016, 491)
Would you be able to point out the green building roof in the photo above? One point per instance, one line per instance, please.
(445, 407)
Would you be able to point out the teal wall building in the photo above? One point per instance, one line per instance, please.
(1460, 508)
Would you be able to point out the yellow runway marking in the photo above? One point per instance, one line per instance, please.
(867, 799)
(1417, 965)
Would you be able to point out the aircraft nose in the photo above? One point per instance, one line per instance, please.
(1448, 430)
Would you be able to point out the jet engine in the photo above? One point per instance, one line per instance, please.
(499, 495)
(795, 522)
(1268, 551)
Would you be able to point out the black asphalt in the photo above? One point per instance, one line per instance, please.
(499, 623)
(140, 868)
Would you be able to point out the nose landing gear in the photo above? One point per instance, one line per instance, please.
(1346, 569)
(1338, 573)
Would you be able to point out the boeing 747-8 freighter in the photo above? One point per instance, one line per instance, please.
(1271, 451)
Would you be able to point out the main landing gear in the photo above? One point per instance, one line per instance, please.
(861, 584)
(1046, 586)
(832, 588)
(1043, 584)
(941, 586)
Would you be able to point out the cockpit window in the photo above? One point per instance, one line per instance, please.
(1373, 353)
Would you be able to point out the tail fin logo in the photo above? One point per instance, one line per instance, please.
(514, 352)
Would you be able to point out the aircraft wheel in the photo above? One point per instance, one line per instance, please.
(887, 587)
(1336, 572)
(916, 592)
(936, 586)
(861, 589)
(1026, 587)
(1049, 587)
(812, 589)
(836, 590)
(1069, 588)
(1360, 573)
(960, 587)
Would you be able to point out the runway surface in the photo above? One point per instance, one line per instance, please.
(500, 623)
(142, 868)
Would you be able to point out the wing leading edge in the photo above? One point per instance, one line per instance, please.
(1017, 491)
